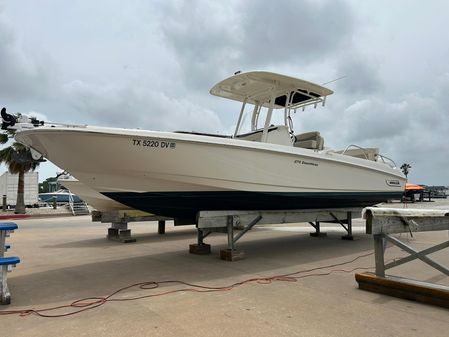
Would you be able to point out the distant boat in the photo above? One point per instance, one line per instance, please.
(439, 194)
(413, 187)
(62, 197)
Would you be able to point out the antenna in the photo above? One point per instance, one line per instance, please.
(337, 79)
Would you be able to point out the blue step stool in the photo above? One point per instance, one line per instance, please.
(8, 226)
(6, 264)
(5, 229)
(11, 260)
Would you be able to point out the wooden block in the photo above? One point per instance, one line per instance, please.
(424, 292)
(231, 255)
(318, 235)
(199, 249)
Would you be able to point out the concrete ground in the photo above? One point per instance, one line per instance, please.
(69, 258)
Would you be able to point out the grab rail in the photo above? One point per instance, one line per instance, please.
(356, 146)
(391, 160)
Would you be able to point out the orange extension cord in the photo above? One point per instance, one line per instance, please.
(95, 302)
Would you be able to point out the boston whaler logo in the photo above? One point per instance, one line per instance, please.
(393, 183)
(302, 162)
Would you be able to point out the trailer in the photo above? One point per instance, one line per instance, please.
(8, 188)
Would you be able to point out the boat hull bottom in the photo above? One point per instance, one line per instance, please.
(186, 205)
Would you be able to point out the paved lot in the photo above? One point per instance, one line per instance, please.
(69, 258)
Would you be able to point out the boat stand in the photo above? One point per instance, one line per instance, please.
(344, 220)
(382, 222)
(200, 248)
(119, 232)
(119, 220)
(237, 223)
(318, 233)
(346, 224)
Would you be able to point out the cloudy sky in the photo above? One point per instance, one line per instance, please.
(150, 64)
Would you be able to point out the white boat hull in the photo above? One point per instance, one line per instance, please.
(176, 174)
(92, 197)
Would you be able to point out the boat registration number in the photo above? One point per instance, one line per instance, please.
(152, 143)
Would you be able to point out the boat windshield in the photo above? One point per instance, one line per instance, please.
(253, 119)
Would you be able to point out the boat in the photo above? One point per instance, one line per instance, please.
(61, 196)
(89, 195)
(263, 165)
(413, 187)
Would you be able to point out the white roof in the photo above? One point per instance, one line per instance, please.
(258, 87)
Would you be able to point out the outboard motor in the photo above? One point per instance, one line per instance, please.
(7, 119)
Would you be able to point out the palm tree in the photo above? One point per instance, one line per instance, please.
(18, 159)
(406, 169)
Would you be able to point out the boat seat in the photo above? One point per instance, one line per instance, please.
(309, 140)
(256, 136)
(369, 153)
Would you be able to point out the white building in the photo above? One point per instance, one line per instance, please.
(8, 187)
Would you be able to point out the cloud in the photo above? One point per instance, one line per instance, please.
(203, 36)
(211, 40)
(361, 75)
(132, 107)
(293, 31)
(38, 115)
(24, 74)
(372, 119)
(442, 90)
(405, 120)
